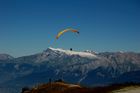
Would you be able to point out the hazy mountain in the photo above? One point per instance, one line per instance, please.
(5, 57)
(88, 68)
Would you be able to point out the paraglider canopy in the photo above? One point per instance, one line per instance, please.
(66, 30)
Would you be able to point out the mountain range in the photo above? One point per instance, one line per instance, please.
(87, 68)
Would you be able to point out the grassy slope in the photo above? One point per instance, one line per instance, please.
(60, 87)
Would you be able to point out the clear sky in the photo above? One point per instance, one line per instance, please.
(30, 26)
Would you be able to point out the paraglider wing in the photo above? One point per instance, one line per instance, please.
(61, 32)
(66, 30)
(73, 30)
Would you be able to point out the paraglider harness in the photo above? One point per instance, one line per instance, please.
(70, 49)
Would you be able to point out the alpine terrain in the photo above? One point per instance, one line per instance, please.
(87, 68)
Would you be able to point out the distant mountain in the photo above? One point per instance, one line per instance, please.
(133, 76)
(5, 57)
(87, 68)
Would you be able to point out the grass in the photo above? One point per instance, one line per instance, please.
(61, 87)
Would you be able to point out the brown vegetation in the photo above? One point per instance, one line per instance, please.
(60, 87)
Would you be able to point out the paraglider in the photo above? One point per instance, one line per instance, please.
(70, 49)
(66, 30)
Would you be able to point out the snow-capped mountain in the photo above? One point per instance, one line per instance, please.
(87, 67)
(69, 52)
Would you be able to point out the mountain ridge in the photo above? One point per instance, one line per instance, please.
(92, 69)
(5, 57)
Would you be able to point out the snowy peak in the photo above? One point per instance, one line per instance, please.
(70, 53)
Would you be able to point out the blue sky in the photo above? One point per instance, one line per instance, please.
(30, 26)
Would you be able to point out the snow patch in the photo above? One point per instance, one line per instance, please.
(16, 66)
(68, 52)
